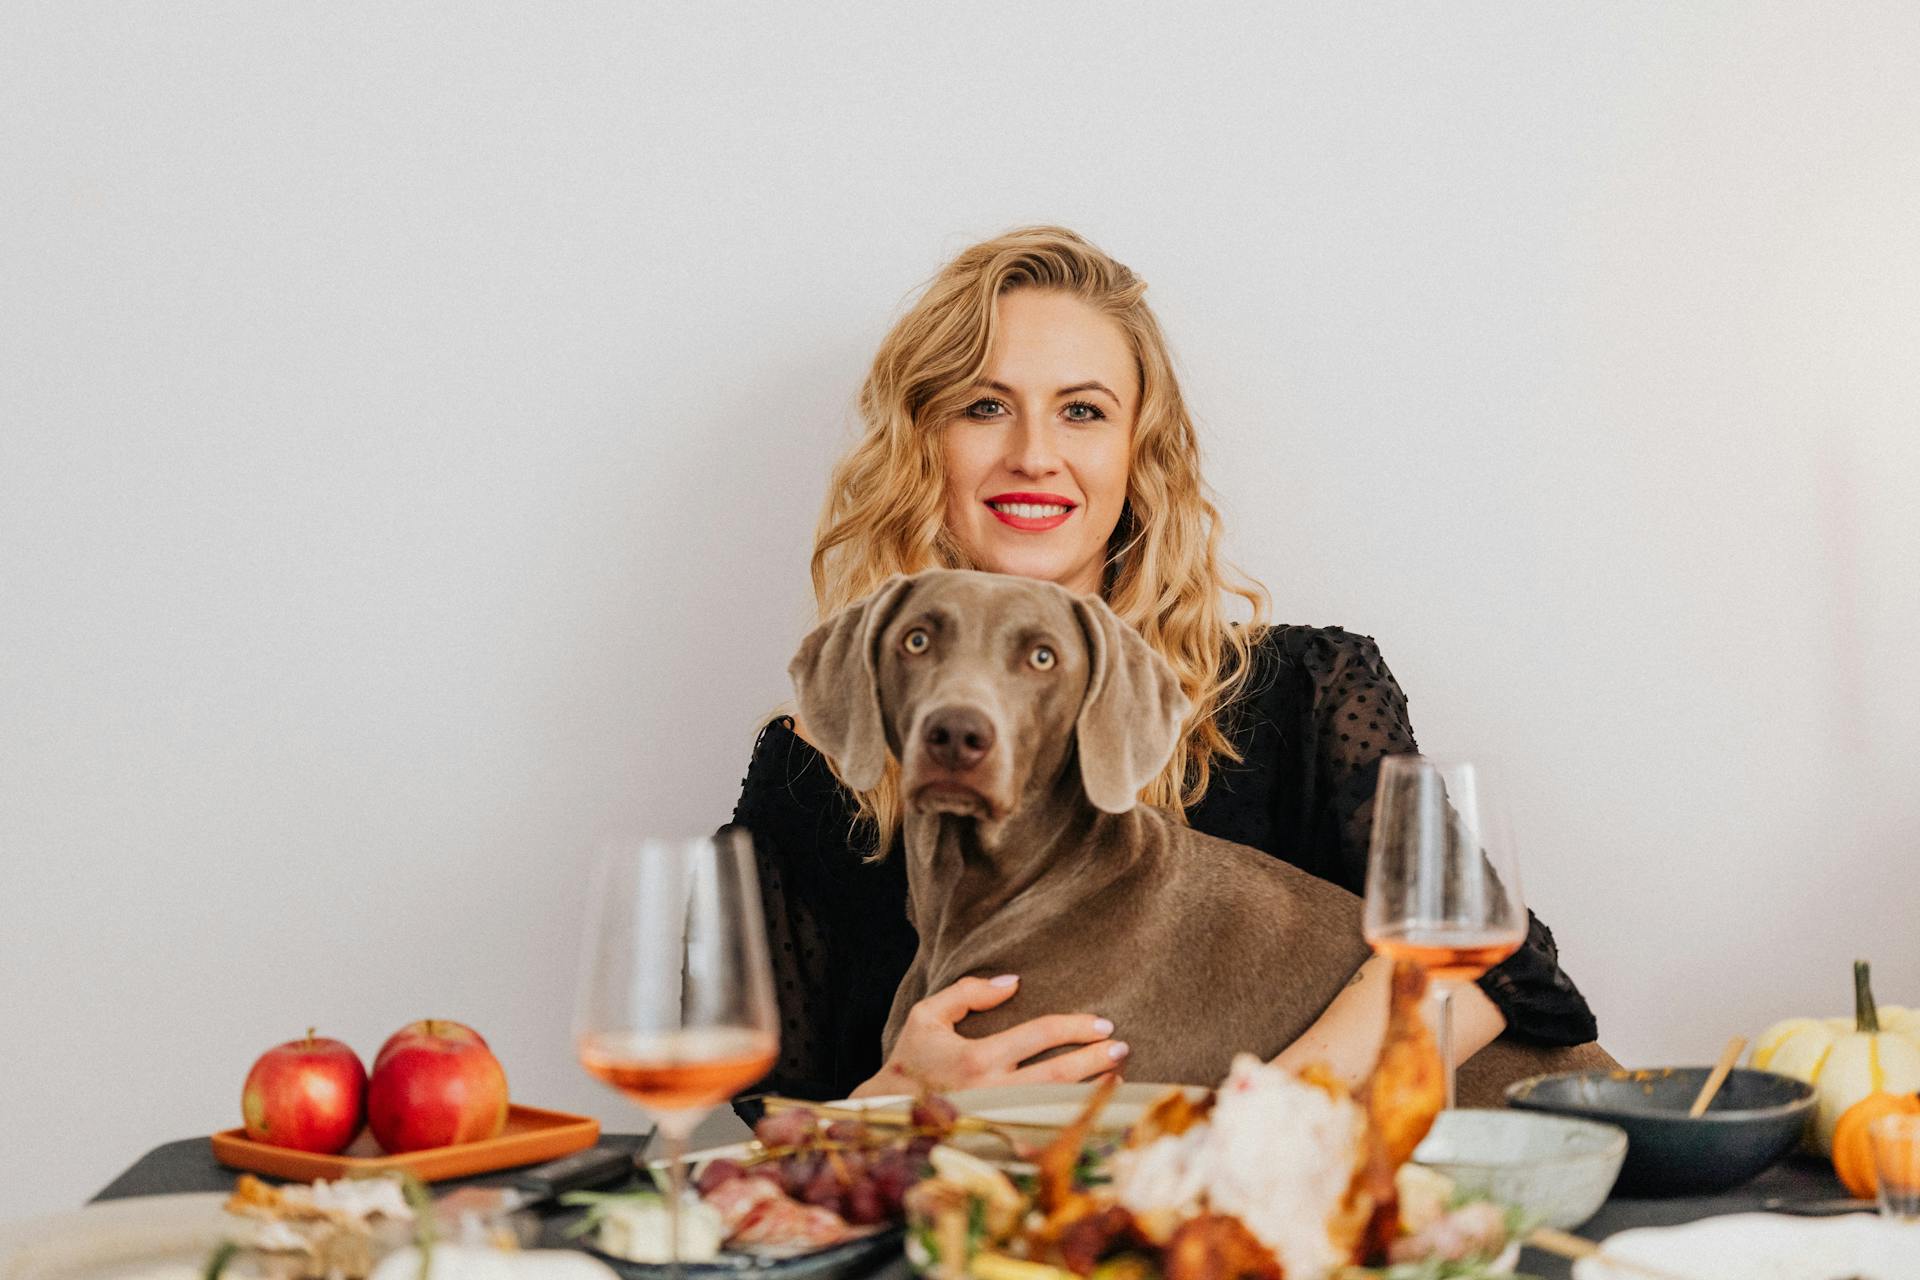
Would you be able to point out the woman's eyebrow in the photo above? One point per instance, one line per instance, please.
(1004, 389)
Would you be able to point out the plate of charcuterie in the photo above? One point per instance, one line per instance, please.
(819, 1193)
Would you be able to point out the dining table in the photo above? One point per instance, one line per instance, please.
(188, 1165)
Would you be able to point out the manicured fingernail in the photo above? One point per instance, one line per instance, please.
(1004, 980)
(1102, 1027)
(1118, 1049)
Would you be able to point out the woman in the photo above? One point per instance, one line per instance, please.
(1023, 417)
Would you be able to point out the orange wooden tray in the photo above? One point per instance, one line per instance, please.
(531, 1135)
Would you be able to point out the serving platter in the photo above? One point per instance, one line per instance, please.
(834, 1262)
(531, 1134)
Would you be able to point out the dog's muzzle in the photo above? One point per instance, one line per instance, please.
(954, 766)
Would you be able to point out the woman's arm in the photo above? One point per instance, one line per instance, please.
(1346, 1037)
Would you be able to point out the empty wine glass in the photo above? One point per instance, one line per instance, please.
(675, 1003)
(1443, 886)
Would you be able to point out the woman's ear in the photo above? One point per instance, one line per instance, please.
(836, 685)
(1131, 717)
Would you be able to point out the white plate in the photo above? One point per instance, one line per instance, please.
(139, 1238)
(1765, 1246)
(1056, 1105)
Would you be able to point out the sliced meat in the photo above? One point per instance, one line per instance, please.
(788, 1224)
(757, 1212)
(739, 1199)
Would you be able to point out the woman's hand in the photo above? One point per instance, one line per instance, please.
(930, 1053)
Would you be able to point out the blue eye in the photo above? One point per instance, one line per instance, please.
(1093, 411)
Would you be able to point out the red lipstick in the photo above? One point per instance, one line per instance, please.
(1030, 523)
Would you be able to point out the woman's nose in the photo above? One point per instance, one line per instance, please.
(1031, 450)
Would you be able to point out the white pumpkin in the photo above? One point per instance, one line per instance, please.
(1905, 1022)
(1845, 1059)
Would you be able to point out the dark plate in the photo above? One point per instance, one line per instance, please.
(1752, 1123)
(854, 1258)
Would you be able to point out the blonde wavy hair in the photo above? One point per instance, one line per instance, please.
(885, 504)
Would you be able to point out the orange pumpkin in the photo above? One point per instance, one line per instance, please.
(1853, 1148)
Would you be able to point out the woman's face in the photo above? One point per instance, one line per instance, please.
(1037, 462)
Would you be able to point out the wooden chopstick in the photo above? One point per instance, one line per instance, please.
(1563, 1244)
(1728, 1056)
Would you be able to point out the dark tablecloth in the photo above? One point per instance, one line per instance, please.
(188, 1165)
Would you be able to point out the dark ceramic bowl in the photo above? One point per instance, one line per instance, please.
(1752, 1123)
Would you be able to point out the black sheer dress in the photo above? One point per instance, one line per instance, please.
(1319, 711)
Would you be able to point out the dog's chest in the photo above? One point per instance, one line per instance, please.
(1220, 956)
(1211, 950)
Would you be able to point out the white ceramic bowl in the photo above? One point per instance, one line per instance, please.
(1555, 1168)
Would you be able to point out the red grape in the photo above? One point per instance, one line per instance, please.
(823, 1189)
(848, 1166)
(850, 1131)
(934, 1112)
(865, 1204)
(786, 1128)
(891, 1175)
(797, 1171)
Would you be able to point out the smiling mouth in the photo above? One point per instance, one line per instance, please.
(1030, 512)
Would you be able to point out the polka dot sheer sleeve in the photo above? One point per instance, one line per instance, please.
(797, 928)
(837, 928)
(1361, 717)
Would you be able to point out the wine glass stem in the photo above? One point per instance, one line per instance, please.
(676, 1184)
(1443, 1034)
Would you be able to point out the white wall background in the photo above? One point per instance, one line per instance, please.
(412, 418)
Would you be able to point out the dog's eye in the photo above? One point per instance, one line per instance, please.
(916, 640)
(1042, 659)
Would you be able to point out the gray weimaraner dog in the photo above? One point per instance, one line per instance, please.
(1026, 720)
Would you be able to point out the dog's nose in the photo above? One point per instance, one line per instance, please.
(958, 737)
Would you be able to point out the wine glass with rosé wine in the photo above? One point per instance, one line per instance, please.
(675, 1003)
(1443, 884)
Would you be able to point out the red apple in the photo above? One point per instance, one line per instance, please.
(307, 1094)
(434, 1089)
(430, 1027)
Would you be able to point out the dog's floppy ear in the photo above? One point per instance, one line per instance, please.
(836, 684)
(1131, 718)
